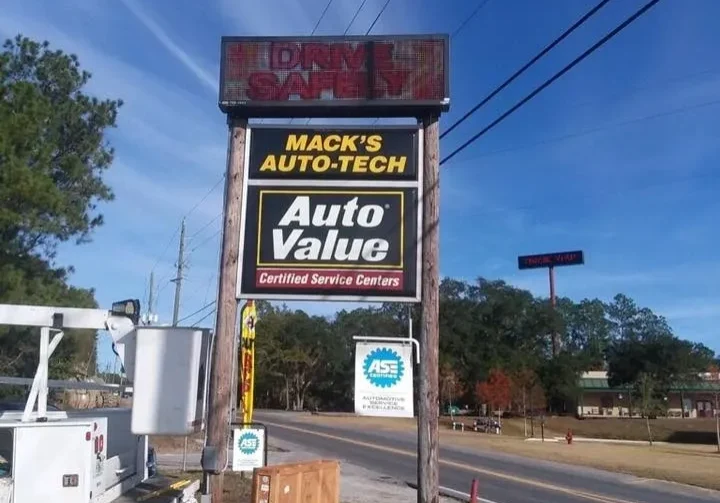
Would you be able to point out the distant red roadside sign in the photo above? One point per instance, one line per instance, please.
(334, 76)
(551, 259)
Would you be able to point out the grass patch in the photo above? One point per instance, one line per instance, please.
(680, 431)
(687, 464)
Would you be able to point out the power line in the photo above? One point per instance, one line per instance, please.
(527, 65)
(477, 9)
(177, 230)
(208, 224)
(357, 12)
(196, 312)
(599, 129)
(372, 25)
(317, 25)
(482, 4)
(167, 246)
(548, 82)
(205, 241)
(203, 318)
(658, 115)
(212, 189)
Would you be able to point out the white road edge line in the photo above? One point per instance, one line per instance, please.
(462, 495)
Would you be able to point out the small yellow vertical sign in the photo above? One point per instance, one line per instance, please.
(247, 359)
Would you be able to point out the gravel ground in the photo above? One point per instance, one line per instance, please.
(357, 484)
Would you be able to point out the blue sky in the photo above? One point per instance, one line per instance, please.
(617, 158)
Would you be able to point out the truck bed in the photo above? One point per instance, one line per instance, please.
(157, 490)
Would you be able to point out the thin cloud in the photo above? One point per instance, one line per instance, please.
(692, 310)
(156, 30)
(160, 195)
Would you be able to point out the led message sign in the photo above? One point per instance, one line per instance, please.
(334, 76)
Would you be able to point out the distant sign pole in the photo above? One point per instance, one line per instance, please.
(551, 260)
(334, 213)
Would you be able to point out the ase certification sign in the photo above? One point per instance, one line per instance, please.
(332, 214)
(249, 448)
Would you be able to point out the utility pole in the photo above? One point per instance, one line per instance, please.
(179, 277)
(428, 473)
(551, 277)
(149, 318)
(151, 295)
(221, 378)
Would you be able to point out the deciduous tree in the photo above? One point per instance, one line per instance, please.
(495, 391)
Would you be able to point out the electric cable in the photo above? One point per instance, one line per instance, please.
(372, 25)
(552, 79)
(197, 312)
(203, 318)
(357, 12)
(207, 194)
(208, 224)
(457, 30)
(465, 21)
(177, 230)
(167, 246)
(587, 132)
(527, 65)
(205, 241)
(317, 25)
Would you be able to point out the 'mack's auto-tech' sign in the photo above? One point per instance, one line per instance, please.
(332, 214)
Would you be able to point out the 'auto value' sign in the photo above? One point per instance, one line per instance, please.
(332, 214)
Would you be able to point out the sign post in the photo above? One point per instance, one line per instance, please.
(214, 455)
(551, 260)
(429, 403)
(335, 213)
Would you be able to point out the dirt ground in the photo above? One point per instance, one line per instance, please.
(175, 444)
(235, 488)
(689, 464)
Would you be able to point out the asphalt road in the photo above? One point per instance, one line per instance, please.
(503, 478)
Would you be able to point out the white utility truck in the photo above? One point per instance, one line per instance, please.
(97, 455)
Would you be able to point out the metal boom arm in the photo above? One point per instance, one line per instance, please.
(119, 322)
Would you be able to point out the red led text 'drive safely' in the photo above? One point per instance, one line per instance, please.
(330, 76)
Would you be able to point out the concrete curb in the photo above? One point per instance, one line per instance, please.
(453, 494)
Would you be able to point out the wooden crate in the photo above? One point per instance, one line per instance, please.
(315, 481)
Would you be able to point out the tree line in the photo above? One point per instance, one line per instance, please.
(495, 349)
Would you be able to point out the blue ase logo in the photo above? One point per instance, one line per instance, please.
(248, 443)
(383, 367)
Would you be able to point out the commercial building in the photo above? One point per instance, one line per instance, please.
(691, 400)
